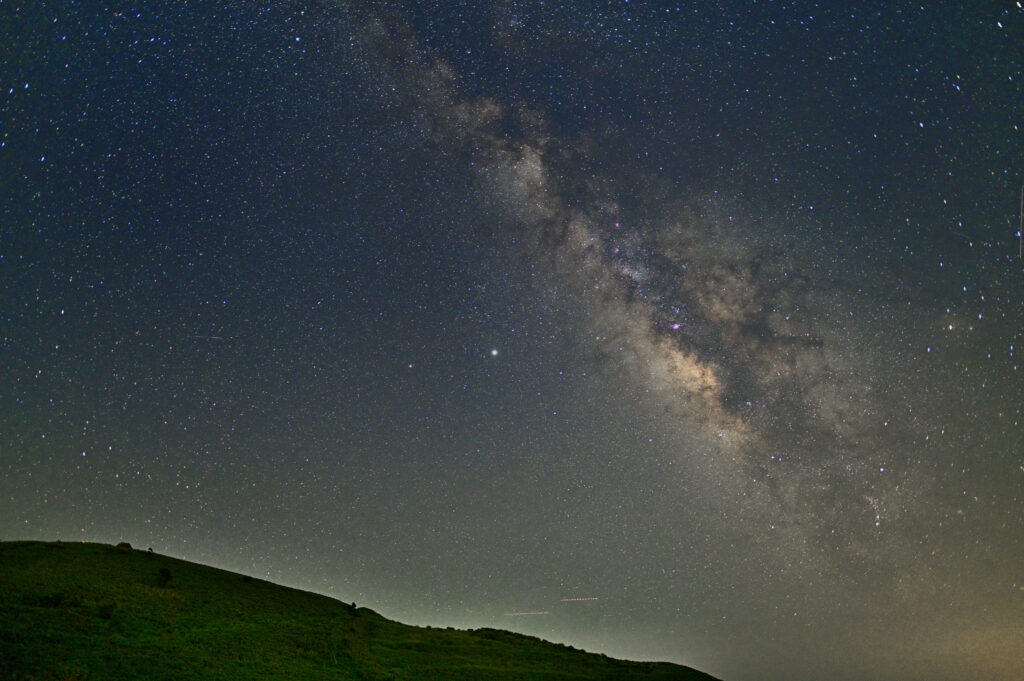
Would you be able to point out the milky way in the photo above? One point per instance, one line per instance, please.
(736, 330)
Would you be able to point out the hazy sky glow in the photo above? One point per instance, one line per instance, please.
(670, 333)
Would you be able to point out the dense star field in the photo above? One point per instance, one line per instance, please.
(689, 333)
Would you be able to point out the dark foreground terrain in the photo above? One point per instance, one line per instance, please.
(77, 612)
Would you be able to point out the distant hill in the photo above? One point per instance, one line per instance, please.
(83, 612)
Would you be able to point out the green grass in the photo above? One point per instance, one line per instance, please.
(84, 612)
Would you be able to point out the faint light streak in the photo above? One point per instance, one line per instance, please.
(567, 600)
(524, 614)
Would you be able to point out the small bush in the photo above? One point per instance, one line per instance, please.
(51, 600)
(163, 578)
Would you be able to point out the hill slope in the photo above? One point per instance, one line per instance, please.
(77, 612)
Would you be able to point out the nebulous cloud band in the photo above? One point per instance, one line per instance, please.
(714, 314)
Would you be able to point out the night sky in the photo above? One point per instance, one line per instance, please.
(710, 317)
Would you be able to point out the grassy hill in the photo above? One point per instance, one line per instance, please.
(80, 612)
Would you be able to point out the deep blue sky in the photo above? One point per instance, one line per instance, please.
(712, 314)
